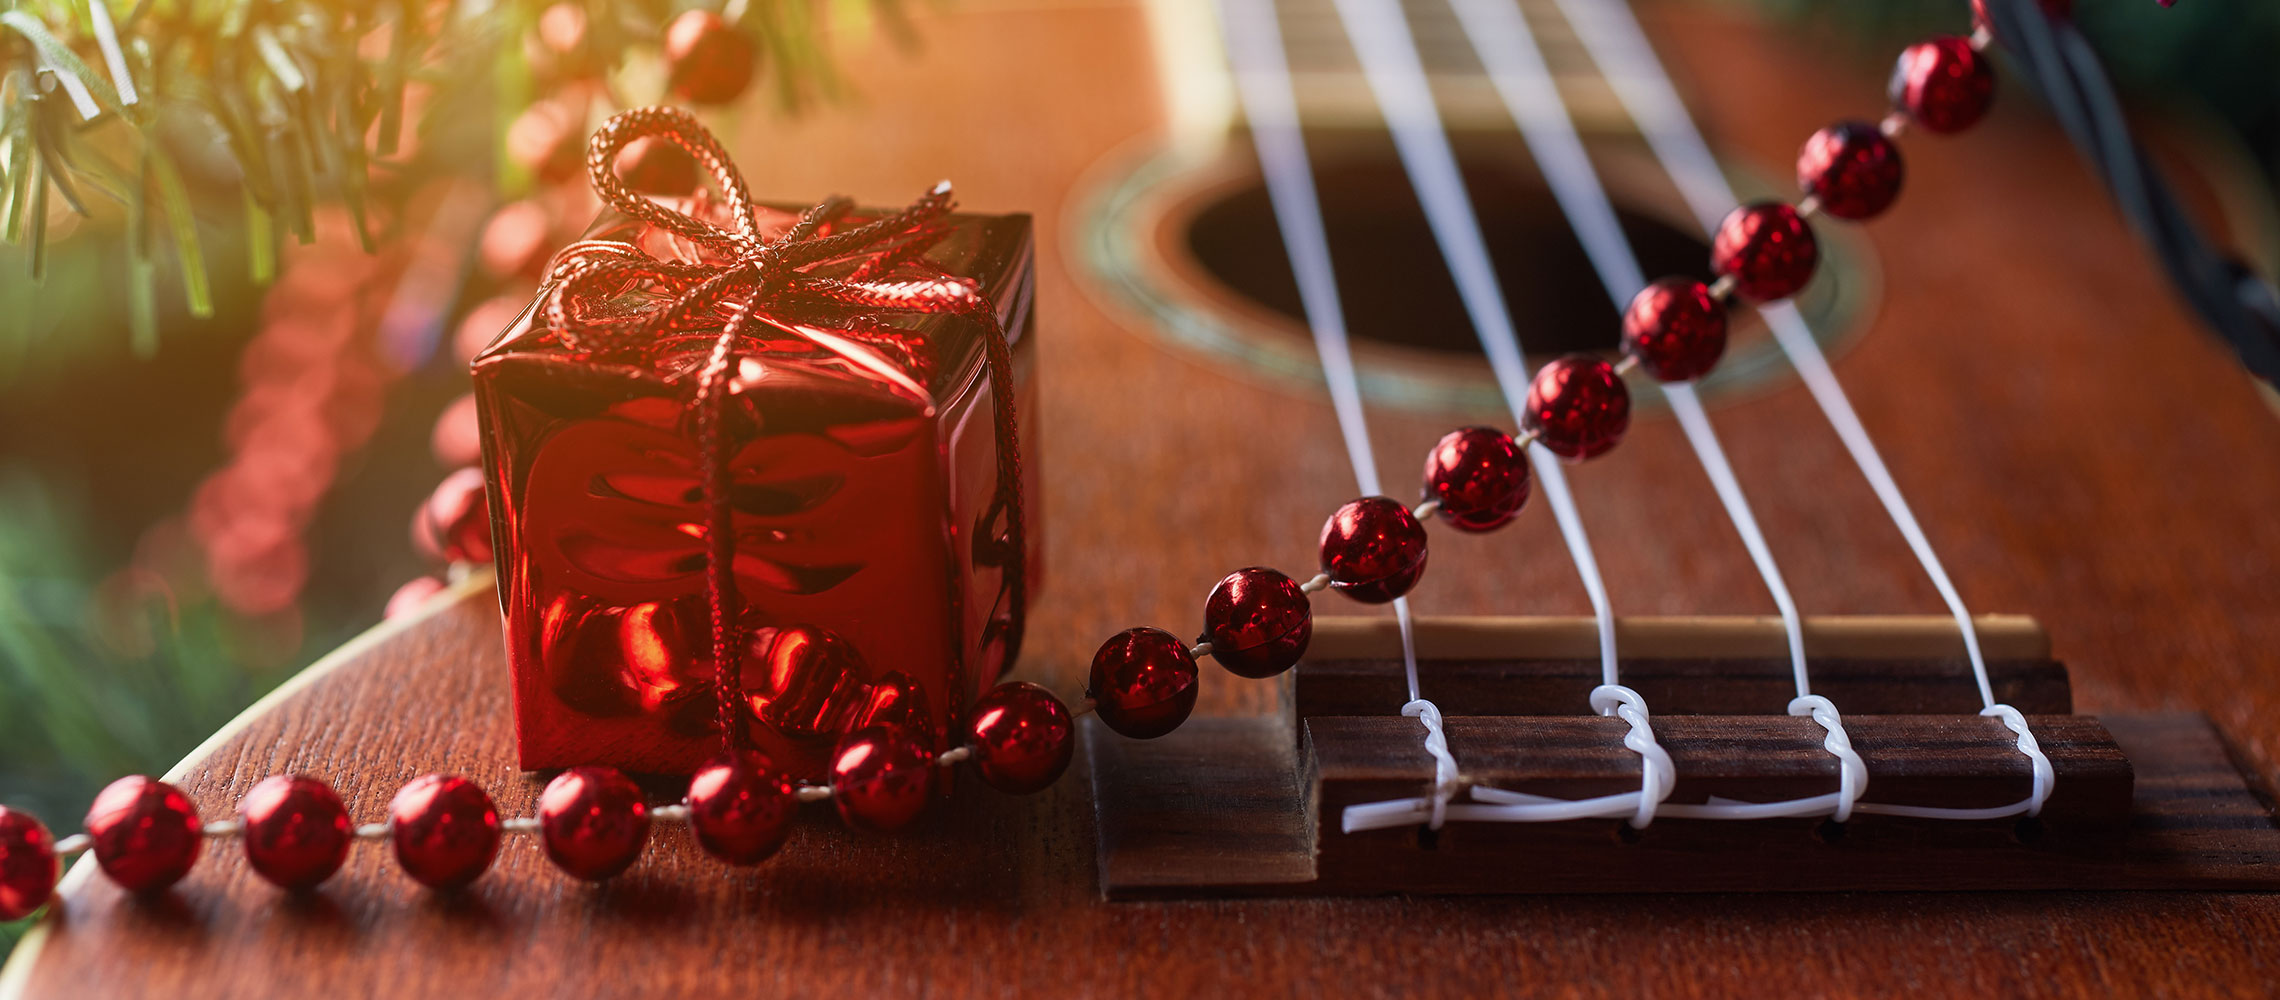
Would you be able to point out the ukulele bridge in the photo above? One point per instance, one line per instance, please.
(1236, 806)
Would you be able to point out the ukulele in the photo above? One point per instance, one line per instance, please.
(2078, 452)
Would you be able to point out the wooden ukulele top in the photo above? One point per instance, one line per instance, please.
(2077, 450)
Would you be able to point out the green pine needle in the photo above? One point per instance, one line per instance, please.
(61, 58)
(142, 307)
(19, 178)
(182, 224)
(286, 107)
(39, 214)
(260, 241)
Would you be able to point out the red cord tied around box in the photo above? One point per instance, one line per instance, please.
(748, 274)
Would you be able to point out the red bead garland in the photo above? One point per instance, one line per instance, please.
(880, 778)
(593, 822)
(296, 831)
(2051, 8)
(27, 864)
(1257, 622)
(454, 525)
(709, 61)
(1852, 168)
(413, 595)
(652, 165)
(444, 829)
(1143, 682)
(1373, 550)
(741, 807)
(146, 833)
(1944, 84)
(1767, 249)
(1578, 407)
(1023, 738)
(1478, 477)
(1676, 329)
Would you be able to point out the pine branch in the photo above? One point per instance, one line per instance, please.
(309, 103)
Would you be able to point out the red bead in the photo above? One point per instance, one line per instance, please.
(2053, 9)
(897, 700)
(457, 438)
(413, 596)
(296, 832)
(1767, 249)
(1676, 329)
(445, 830)
(1022, 737)
(657, 166)
(1373, 549)
(1143, 682)
(709, 61)
(1852, 168)
(1258, 622)
(1943, 84)
(515, 242)
(547, 139)
(1479, 476)
(27, 864)
(741, 807)
(880, 778)
(454, 525)
(146, 833)
(593, 822)
(562, 28)
(1578, 407)
(802, 680)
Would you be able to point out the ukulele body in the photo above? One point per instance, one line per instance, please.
(2078, 451)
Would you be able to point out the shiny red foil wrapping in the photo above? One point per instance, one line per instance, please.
(864, 466)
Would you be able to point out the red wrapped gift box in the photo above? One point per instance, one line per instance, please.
(865, 494)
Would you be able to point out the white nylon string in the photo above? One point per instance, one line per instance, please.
(1388, 55)
(1263, 84)
(1389, 60)
(1262, 81)
(1382, 38)
(1611, 34)
(1515, 64)
(1687, 407)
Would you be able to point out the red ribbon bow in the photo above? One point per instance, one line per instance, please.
(749, 274)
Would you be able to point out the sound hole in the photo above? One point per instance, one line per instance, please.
(1391, 277)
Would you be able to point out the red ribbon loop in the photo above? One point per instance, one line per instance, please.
(741, 265)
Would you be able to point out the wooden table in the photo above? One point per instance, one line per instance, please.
(2078, 451)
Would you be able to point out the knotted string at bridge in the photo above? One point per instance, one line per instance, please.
(738, 275)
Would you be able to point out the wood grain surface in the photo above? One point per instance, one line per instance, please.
(2076, 449)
